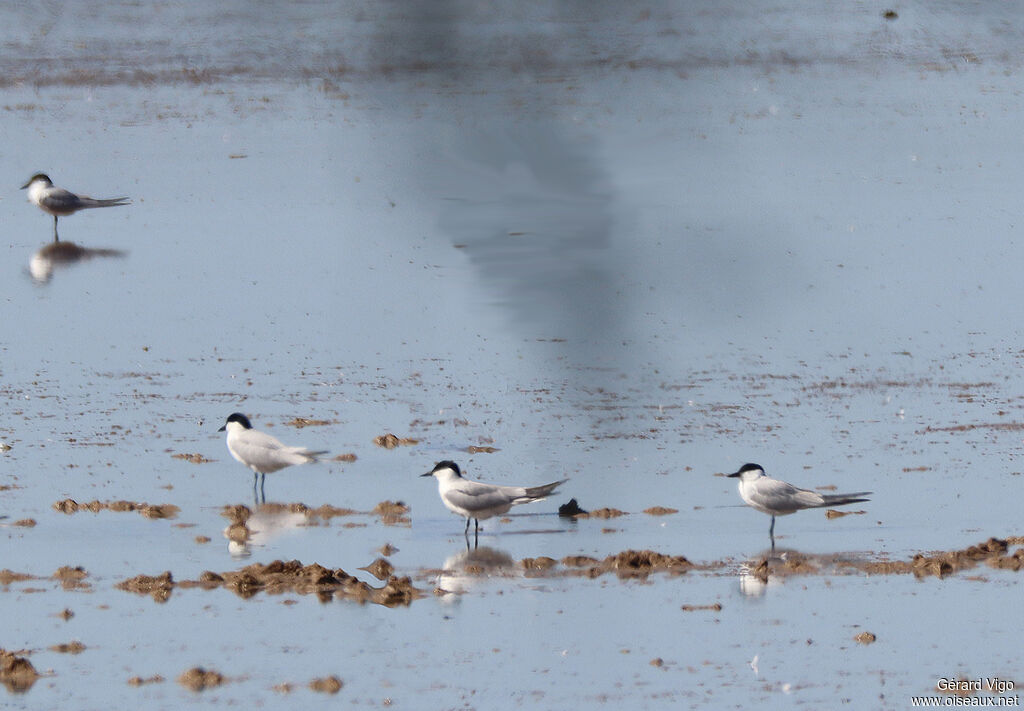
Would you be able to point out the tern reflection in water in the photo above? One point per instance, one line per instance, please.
(466, 569)
(266, 523)
(60, 254)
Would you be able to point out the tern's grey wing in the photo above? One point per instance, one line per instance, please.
(60, 200)
(781, 496)
(477, 496)
(259, 440)
(264, 453)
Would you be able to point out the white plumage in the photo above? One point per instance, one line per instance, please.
(60, 202)
(475, 500)
(778, 498)
(261, 452)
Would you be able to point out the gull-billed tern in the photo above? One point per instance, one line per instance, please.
(777, 498)
(60, 202)
(261, 452)
(477, 500)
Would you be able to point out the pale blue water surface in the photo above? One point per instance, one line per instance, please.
(633, 247)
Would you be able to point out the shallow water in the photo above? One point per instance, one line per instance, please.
(632, 251)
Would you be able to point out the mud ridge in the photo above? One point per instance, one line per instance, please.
(627, 564)
(280, 577)
(197, 679)
(16, 673)
(70, 506)
(993, 553)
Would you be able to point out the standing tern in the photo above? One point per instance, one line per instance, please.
(261, 452)
(476, 500)
(60, 202)
(777, 498)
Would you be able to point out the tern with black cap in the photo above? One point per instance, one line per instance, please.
(261, 452)
(778, 498)
(477, 500)
(60, 202)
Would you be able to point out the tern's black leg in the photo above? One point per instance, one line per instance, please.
(466, 532)
(55, 237)
(771, 533)
(263, 494)
(258, 494)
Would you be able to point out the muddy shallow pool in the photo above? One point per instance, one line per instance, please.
(634, 251)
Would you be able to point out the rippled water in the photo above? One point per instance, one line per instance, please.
(634, 249)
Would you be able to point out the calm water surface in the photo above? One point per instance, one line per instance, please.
(632, 250)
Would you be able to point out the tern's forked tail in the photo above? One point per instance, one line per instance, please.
(106, 202)
(314, 455)
(841, 499)
(536, 493)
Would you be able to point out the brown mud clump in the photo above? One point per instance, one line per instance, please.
(70, 506)
(835, 513)
(139, 681)
(380, 569)
(345, 457)
(940, 564)
(9, 576)
(198, 679)
(714, 607)
(474, 449)
(540, 563)
(26, 522)
(642, 563)
(628, 564)
(392, 513)
(72, 578)
(67, 506)
(760, 571)
(158, 587)
(398, 591)
(280, 577)
(943, 563)
(16, 673)
(326, 685)
(660, 511)
(239, 513)
(865, 638)
(73, 647)
(327, 512)
(390, 441)
(602, 513)
(301, 422)
(194, 458)
(158, 510)
(237, 531)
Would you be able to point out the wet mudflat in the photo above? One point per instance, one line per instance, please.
(631, 251)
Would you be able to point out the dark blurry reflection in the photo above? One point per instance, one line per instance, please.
(61, 254)
(530, 206)
(266, 523)
(467, 568)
